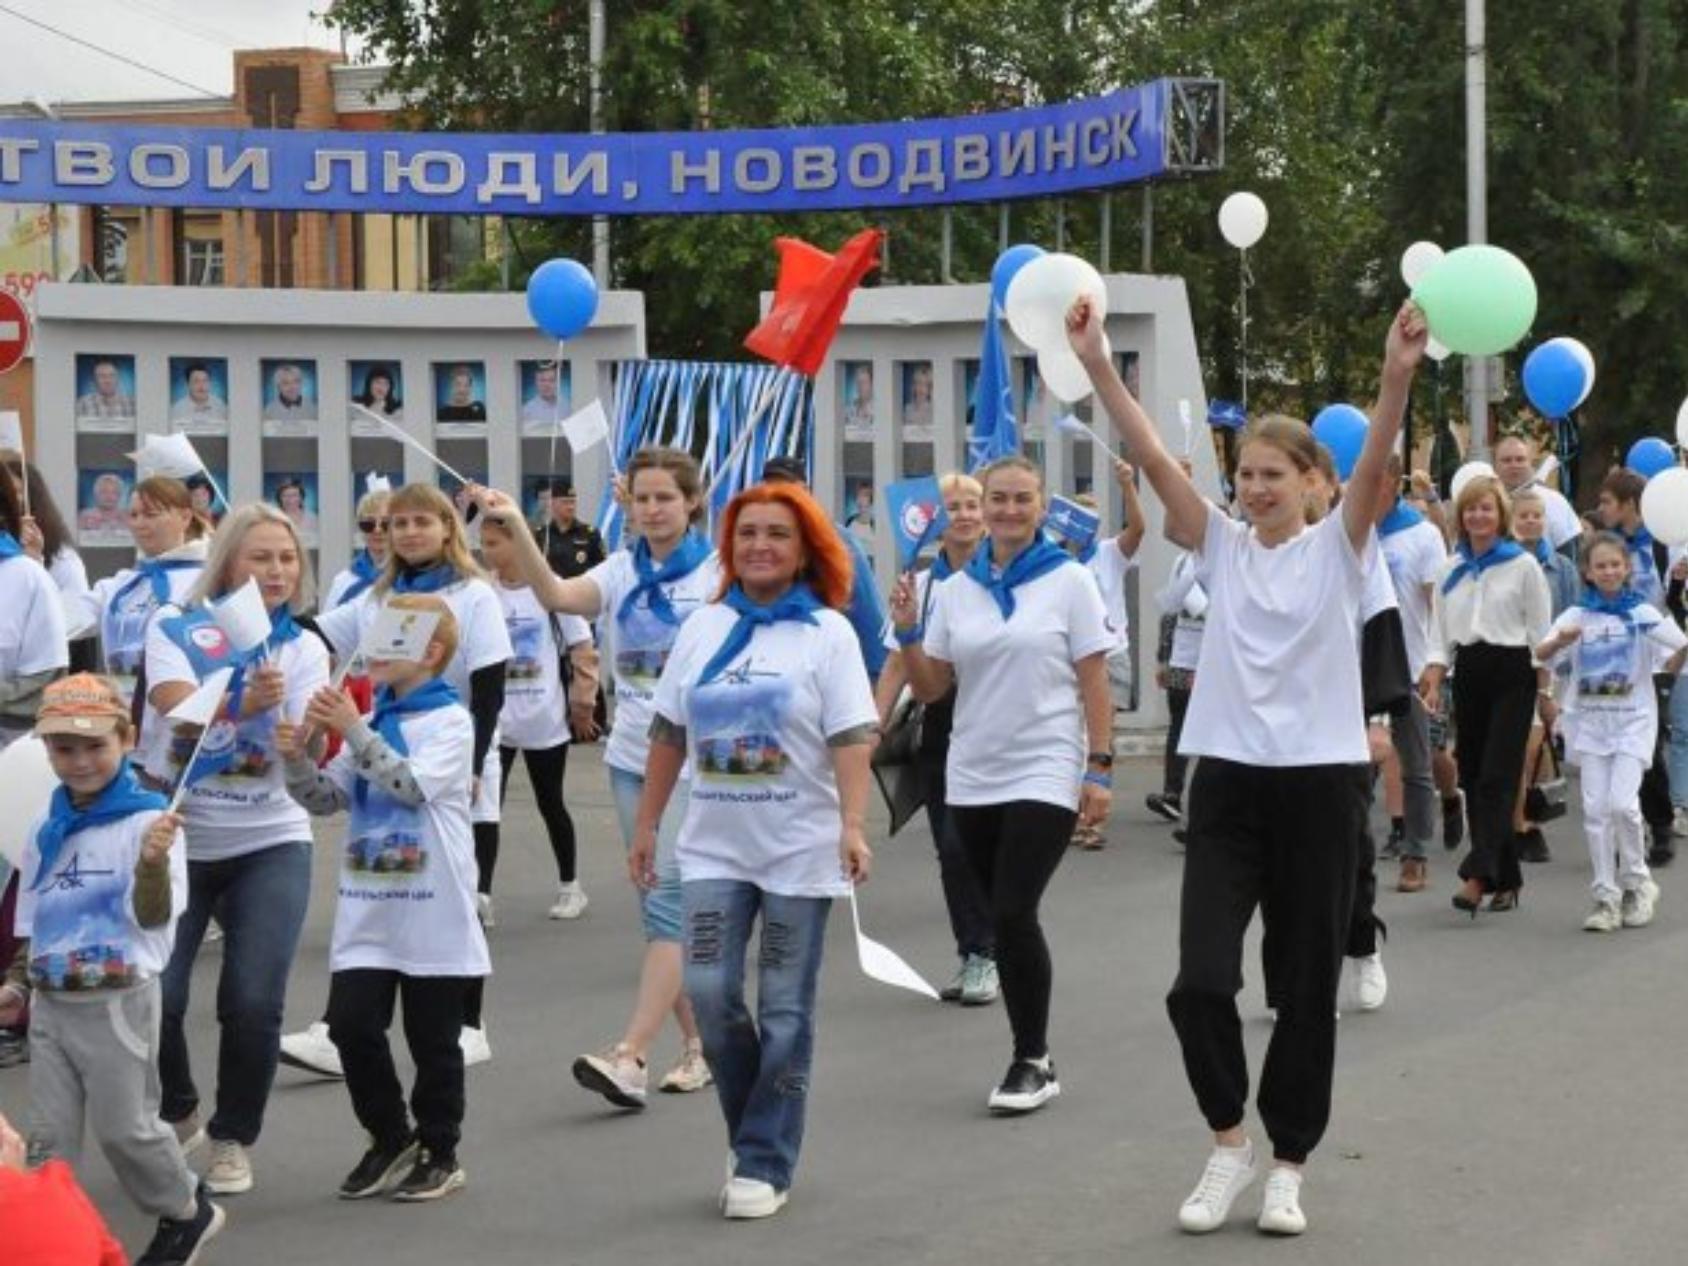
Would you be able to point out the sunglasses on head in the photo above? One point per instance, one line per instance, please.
(367, 526)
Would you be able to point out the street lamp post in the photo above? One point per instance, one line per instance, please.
(1476, 204)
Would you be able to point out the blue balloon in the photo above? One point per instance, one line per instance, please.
(562, 298)
(1342, 429)
(1649, 456)
(1554, 379)
(1007, 264)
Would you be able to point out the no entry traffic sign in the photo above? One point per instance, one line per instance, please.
(14, 331)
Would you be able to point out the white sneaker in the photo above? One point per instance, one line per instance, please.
(691, 1073)
(1679, 821)
(571, 902)
(752, 1198)
(190, 1135)
(1229, 1171)
(476, 1049)
(1638, 904)
(311, 1050)
(230, 1172)
(1603, 917)
(483, 910)
(616, 1073)
(1280, 1211)
(1371, 985)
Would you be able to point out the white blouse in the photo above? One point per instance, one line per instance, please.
(1507, 605)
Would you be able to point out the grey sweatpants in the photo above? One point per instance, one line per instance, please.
(1411, 736)
(93, 1059)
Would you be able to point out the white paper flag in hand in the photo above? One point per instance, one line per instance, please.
(399, 634)
(373, 482)
(11, 431)
(586, 427)
(881, 963)
(243, 617)
(201, 706)
(172, 455)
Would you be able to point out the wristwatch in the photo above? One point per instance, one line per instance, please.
(1102, 760)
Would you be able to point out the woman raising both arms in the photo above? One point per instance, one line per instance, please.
(1275, 804)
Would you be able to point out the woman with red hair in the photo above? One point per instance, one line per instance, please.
(766, 693)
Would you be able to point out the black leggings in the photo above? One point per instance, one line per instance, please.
(1494, 704)
(1014, 849)
(1174, 765)
(546, 767)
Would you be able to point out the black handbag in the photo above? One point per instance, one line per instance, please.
(1546, 801)
(895, 762)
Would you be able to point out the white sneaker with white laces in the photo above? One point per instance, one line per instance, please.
(311, 1050)
(689, 1074)
(1638, 905)
(1603, 917)
(1280, 1211)
(571, 902)
(230, 1171)
(752, 1198)
(476, 1049)
(1371, 985)
(1228, 1172)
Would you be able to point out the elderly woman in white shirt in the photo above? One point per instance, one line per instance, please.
(1491, 605)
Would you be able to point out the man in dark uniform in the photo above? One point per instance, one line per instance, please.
(571, 547)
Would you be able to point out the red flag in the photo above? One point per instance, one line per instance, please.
(809, 299)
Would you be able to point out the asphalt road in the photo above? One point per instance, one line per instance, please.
(1519, 1099)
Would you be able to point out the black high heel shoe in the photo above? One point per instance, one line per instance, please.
(1504, 900)
(1470, 905)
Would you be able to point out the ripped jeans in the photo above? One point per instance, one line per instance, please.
(761, 1065)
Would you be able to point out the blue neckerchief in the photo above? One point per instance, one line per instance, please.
(1621, 604)
(1036, 559)
(688, 555)
(120, 798)
(283, 627)
(424, 579)
(1542, 553)
(157, 571)
(796, 603)
(1476, 564)
(9, 547)
(390, 710)
(1402, 517)
(1089, 551)
(1640, 543)
(367, 571)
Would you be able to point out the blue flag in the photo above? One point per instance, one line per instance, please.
(1226, 415)
(917, 515)
(1071, 522)
(994, 432)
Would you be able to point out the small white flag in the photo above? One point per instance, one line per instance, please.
(172, 455)
(1549, 464)
(1189, 423)
(399, 634)
(586, 427)
(243, 617)
(374, 482)
(11, 430)
(881, 963)
(201, 706)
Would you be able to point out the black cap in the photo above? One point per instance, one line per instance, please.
(788, 469)
(558, 487)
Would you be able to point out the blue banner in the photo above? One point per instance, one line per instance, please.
(917, 515)
(1041, 151)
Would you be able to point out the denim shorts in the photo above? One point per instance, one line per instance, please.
(659, 908)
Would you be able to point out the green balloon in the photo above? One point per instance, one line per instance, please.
(1479, 301)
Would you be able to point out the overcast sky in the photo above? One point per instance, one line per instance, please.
(190, 39)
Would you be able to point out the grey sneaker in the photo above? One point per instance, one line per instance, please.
(979, 986)
(952, 991)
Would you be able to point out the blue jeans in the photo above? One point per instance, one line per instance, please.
(1678, 751)
(260, 901)
(761, 1065)
(660, 907)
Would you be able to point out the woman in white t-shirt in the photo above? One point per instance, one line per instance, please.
(33, 647)
(248, 842)
(360, 575)
(641, 598)
(1021, 634)
(1612, 723)
(541, 710)
(1278, 719)
(766, 695)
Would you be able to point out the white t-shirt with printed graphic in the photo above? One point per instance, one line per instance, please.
(32, 637)
(81, 922)
(1019, 722)
(1610, 705)
(637, 649)
(246, 807)
(1415, 556)
(407, 872)
(763, 806)
(535, 714)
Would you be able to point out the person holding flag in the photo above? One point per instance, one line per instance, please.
(248, 842)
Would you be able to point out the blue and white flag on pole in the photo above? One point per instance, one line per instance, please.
(994, 432)
(1072, 523)
(917, 515)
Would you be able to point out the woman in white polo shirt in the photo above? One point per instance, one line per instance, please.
(1022, 635)
(1276, 801)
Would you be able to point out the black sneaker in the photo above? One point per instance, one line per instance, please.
(380, 1170)
(431, 1178)
(1025, 1088)
(1453, 821)
(1391, 850)
(1663, 852)
(1532, 846)
(1165, 805)
(177, 1243)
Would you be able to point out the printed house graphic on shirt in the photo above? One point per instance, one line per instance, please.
(387, 851)
(81, 934)
(1606, 666)
(527, 640)
(642, 643)
(739, 719)
(250, 739)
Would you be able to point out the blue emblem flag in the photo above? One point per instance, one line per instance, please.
(917, 515)
(1071, 522)
(994, 432)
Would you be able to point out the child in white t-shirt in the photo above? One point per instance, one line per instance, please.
(103, 879)
(405, 926)
(1611, 723)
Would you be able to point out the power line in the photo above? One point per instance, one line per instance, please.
(106, 52)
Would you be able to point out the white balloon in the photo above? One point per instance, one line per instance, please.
(1466, 473)
(1242, 219)
(1418, 259)
(1581, 352)
(26, 785)
(1682, 425)
(1041, 293)
(1437, 352)
(1664, 506)
(1067, 379)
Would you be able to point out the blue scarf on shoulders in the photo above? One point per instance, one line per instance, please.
(155, 571)
(796, 603)
(1399, 519)
(9, 547)
(120, 798)
(390, 710)
(1542, 553)
(688, 555)
(424, 579)
(1474, 565)
(367, 571)
(1037, 559)
(1621, 604)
